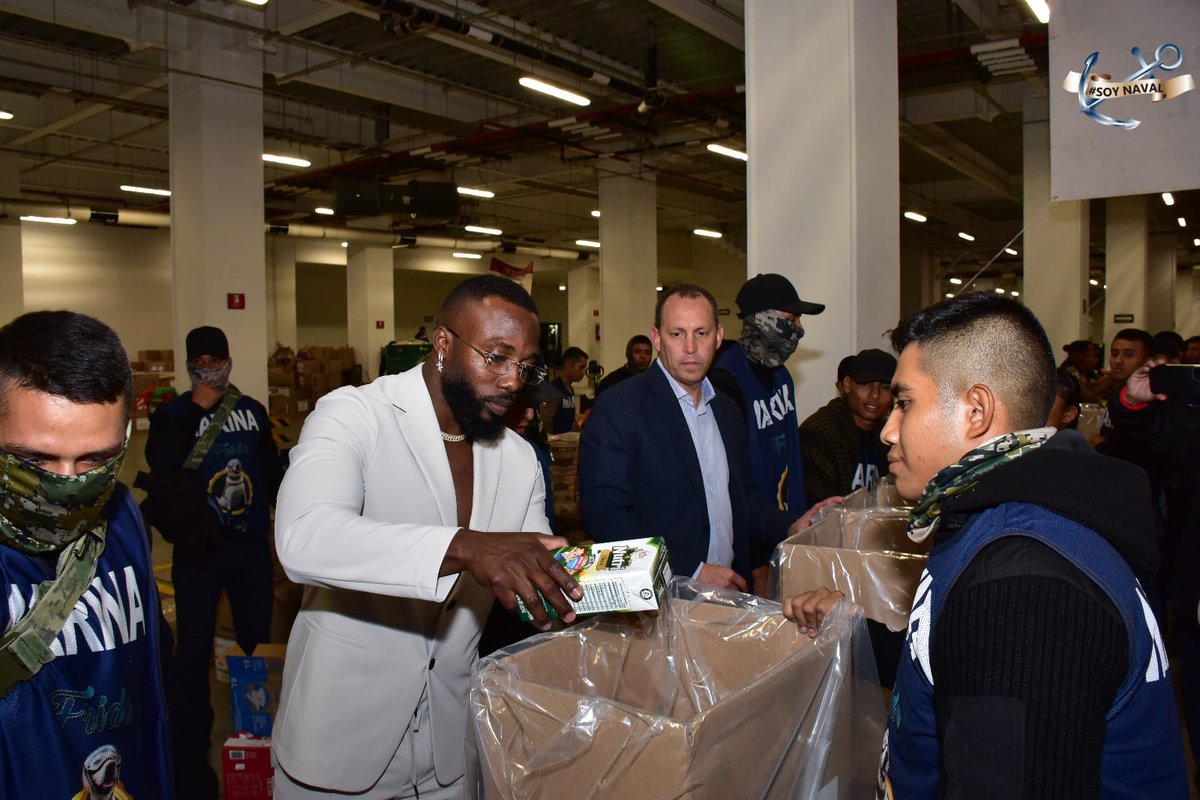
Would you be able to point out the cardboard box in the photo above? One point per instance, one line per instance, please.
(309, 367)
(246, 765)
(280, 376)
(615, 576)
(865, 553)
(254, 685)
(279, 405)
(747, 706)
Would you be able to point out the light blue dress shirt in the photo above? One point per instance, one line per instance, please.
(714, 468)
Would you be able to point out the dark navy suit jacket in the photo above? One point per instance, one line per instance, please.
(639, 475)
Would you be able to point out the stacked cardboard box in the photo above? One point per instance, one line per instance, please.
(564, 482)
(320, 370)
(254, 685)
(155, 361)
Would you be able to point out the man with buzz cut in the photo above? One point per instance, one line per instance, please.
(82, 712)
(1032, 665)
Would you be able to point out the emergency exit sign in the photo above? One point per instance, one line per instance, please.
(1123, 319)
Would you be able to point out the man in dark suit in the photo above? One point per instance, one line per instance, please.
(664, 455)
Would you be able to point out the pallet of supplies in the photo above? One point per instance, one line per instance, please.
(718, 696)
(863, 552)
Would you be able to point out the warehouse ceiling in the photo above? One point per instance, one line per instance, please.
(398, 90)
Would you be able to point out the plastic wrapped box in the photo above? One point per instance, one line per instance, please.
(720, 696)
(863, 552)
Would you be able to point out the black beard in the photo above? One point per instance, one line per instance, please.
(468, 409)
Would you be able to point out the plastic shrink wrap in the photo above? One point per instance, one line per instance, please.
(863, 552)
(718, 697)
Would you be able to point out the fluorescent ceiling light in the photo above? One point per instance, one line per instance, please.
(708, 233)
(915, 216)
(586, 243)
(999, 44)
(145, 190)
(1015, 293)
(290, 161)
(5, 114)
(956, 281)
(554, 91)
(483, 230)
(1168, 198)
(658, 288)
(1106, 286)
(967, 236)
(562, 287)
(1010, 251)
(51, 220)
(999, 290)
(1182, 222)
(345, 244)
(484, 193)
(596, 213)
(1039, 9)
(949, 295)
(728, 151)
(323, 211)
(255, 2)
(1093, 282)
(467, 255)
(1195, 242)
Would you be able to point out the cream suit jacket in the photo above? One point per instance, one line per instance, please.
(365, 515)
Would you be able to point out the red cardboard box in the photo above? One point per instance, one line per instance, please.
(247, 767)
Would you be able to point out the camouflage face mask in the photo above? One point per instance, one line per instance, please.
(42, 512)
(217, 377)
(769, 337)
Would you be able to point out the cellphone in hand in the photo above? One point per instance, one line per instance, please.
(1179, 382)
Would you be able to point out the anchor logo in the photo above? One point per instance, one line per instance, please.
(1094, 89)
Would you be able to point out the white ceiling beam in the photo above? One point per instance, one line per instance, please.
(934, 141)
(725, 21)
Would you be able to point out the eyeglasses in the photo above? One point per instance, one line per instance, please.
(528, 374)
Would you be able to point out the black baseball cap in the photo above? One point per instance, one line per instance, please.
(207, 341)
(872, 365)
(771, 291)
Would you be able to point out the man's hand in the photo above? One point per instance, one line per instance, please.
(722, 578)
(812, 513)
(516, 564)
(809, 609)
(1137, 388)
(206, 395)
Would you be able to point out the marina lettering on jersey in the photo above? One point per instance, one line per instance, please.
(109, 614)
(240, 419)
(768, 412)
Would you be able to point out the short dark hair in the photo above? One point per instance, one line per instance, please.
(688, 290)
(1067, 387)
(572, 353)
(1167, 344)
(1136, 335)
(640, 338)
(1190, 340)
(980, 337)
(481, 287)
(65, 354)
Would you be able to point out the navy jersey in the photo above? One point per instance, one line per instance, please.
(564, 413)
(97, 710)
(1142, 748)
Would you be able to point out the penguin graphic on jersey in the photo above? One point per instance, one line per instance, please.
(102, 776)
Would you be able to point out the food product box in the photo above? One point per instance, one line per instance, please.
(254, 685)
(615, 576)
(246, 766)
(863, 552)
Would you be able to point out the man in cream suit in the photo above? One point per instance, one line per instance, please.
(403, 512)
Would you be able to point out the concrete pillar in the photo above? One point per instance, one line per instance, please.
(370, 304)
(12, 283)
(281, 285)
(722, 270)
(1187, 301)
(824, 175)
(1160, 284)
(217, 247)
(1055, 245)
(628, 262)
(1127, 245)
(583, 300)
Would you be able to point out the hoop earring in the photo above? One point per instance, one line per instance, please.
(440, 365)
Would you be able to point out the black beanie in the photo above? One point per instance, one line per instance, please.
(207, 341)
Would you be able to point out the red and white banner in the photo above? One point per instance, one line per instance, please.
(522, 275)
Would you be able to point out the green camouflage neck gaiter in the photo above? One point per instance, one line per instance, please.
(42, 512)
(769, 337)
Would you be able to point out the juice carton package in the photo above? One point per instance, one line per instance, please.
(615, 576)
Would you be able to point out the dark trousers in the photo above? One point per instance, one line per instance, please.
(242, 567)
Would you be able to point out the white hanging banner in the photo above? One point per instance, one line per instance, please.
(1124, 116)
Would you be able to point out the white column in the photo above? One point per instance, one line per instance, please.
(1055, 245)
(1127, 245)
(583, 301)
(12, 282)
(1160, 284)
(369, 302)
(628, 262)
(1187, 301)
(824, 176)
(217, 246)
(281, 271)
